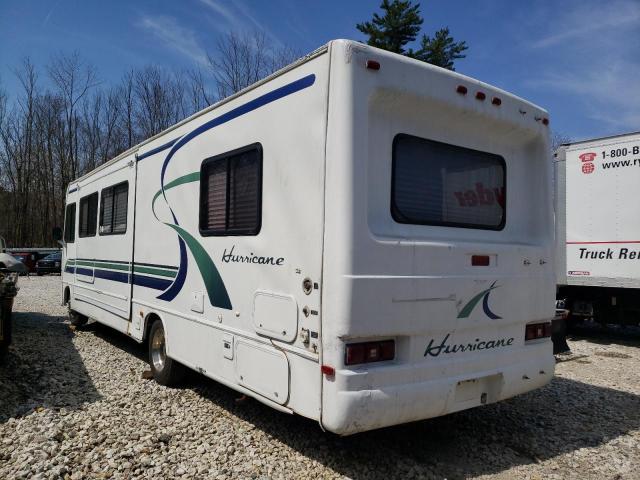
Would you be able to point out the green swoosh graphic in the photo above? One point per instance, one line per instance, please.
(471, 304)
(212, 279)
(190, 177)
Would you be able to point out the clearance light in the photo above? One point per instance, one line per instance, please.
(369, 352)
(536, 331)
(462, 90)
(481, 96)
(480, 260)
(373, 65)
(496, 101)
(545, 121)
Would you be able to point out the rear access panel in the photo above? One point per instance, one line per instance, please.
(263, 370)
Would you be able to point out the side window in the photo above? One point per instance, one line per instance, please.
(113, 209)
(88, 215)
(70, 223)
(231, 193)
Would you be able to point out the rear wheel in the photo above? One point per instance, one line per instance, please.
(166, 371)
(77, 319)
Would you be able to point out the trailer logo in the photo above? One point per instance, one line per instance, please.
(435, 349)
(587, 162)
(484, 296)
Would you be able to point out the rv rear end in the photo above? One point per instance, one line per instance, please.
(438, 283)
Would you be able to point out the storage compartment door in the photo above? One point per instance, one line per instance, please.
(263, 370)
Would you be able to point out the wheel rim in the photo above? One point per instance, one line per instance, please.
(158, 353)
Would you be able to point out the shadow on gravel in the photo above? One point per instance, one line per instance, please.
(118, 339)
(563, 417)
(607, 334)
(42, 368)
(560, 418)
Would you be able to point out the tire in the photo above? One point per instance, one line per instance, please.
(77, 319)
(166, 371)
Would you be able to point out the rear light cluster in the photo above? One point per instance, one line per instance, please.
(497, 101)
(537, 330)
(368, 352)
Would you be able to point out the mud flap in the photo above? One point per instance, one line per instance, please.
(559, 332)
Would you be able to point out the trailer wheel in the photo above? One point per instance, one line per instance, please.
(166, 371)
(77, 319)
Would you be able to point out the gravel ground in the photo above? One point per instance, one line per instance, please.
(75, 405)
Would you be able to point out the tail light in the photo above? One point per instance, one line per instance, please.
(481, 95)
(369, 352)
(480, 260)
(536, 331)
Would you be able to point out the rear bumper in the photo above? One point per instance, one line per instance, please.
(351, 405)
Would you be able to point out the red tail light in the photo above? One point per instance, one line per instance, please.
(481, 95)
(462, 90)
(480, 260)
(328, 370)
(496, 101)
(368, 352)
(537, 330)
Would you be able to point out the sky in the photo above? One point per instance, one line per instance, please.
(579, 59)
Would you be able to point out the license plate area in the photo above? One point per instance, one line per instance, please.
(478, 391)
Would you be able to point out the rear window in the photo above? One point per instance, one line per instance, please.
(435, 183)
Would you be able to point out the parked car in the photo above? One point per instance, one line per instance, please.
(49, 264)
(28, 258)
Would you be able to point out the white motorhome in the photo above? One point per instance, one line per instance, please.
(598, 232)
(361, 238)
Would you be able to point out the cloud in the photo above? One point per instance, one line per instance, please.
(590, 21)
(240, 18)
(589, 56)
(173, 35)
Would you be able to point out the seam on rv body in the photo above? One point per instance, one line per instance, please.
(324, 232)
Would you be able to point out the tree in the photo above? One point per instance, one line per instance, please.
(242, 60)
(441, 50)
(399, 25)
(558, 139)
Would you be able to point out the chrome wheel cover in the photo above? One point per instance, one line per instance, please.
(158, 352)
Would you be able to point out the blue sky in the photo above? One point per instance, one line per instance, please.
(579, 59)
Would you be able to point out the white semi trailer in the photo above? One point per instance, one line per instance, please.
(598, 228)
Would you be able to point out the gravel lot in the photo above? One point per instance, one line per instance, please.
(74, 404)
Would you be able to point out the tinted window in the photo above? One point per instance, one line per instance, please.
(435, 183)
(231, 193)
(88, 215)
(113, 209)
(70, 223)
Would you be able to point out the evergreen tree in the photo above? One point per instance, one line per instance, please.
(399, 25)
(441, 50)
